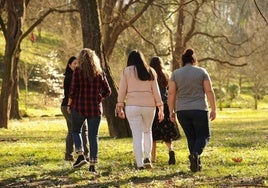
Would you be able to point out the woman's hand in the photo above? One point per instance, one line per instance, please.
(172, 117)
(121, 114)
(212, 115)
(160, 116)
(69, 109)
(119, 111)
(160, 113)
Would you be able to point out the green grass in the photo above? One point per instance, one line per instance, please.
(32, 152)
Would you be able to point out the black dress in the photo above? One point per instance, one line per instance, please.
(166, 130)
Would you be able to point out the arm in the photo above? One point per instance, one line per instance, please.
(122, 90)
(171, 100)
(158, 98)
(119, 109)
(69, 105)
(71, 92)
(211, 98)
(106, 89)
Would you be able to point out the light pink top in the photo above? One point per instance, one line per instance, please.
(136, 92)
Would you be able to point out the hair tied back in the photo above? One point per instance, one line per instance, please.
(189, 52)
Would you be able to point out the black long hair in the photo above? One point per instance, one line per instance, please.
(136, 58)
(68, 69)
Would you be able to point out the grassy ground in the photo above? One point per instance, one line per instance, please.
(32, 152)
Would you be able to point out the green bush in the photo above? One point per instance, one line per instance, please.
(234, 91)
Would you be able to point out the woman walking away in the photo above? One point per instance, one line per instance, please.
(88, 88)
(71, 65)
(188, 88)
(166, 130)
(139, 90)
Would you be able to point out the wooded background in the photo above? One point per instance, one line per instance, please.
(230, 38)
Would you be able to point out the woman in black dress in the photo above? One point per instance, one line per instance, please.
(166, 131)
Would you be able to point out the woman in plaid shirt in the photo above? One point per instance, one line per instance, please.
(89, 87)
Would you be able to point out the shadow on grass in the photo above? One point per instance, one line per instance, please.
(60, 178)
(51, 179)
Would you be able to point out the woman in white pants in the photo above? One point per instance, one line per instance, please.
(139, 91)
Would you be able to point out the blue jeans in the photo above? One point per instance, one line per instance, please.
(69, 138)
(195, 124)
(93, 131)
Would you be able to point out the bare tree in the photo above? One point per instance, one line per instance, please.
(12, 16)
(117, 16)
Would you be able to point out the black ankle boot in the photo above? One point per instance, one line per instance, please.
(172, 159)
(194, 162)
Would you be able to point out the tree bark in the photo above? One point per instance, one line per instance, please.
(12, 33)
(90, 21)
(14, 112)
(179, 44)
(92, 38)
(12, 30)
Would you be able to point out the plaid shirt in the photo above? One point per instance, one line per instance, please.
(87, 95)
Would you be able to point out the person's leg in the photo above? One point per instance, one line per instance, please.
(169, 145)
(156, 134)
(135, 120)
(185, 121)
(77, 122)
(69, 138)
(202, 130)
(171, 153)
(153, 153)
(93, 137)
(85, 138)
(147, 116)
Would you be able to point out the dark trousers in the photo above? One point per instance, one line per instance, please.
(195, 124)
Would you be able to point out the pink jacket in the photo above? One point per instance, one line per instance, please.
(135, 92)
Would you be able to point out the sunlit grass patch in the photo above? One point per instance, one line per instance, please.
(32, 153)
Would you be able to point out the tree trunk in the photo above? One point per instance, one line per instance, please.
(179, 46)
(7, 83)
(12, 33)
(14, 112)
(90, 21)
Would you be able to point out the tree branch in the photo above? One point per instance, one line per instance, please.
(149, 42)
(138, 15)
(260, 12)
(222, 37)
(41, 18)
(222, 62)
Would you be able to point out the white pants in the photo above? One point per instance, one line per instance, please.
(140, 121)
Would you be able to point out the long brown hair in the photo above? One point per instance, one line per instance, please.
(89, 63)
(162, 77)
